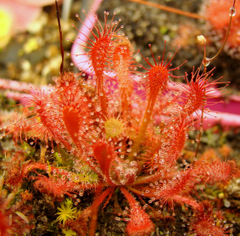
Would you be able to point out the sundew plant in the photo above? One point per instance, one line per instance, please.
(119, 139)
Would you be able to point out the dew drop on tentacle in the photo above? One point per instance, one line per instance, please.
(232, 11)
(206, 62)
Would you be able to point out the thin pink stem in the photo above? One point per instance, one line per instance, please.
(80, 42)
(16, 85)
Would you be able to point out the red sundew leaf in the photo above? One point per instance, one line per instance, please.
(104, 154)
(72, 122)
(198, 90)
(203, 224)
(158, 73)
(55, 187)
(139, 223)
(216, 171)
